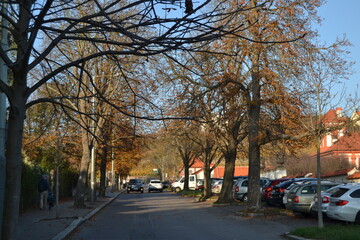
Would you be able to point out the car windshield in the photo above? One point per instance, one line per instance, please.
(285, 184)
(332, 190)
(155, 181)
(133, 181)
(339, 192)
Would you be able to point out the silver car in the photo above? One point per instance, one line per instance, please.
(301, 197)
(216, 187)
(240, 188)
(345, 204)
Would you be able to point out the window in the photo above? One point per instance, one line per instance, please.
(192, 178)
(294, 189)
(263, 182)
(308, 190)
(355, 194)
(245, 183)
(339, 192)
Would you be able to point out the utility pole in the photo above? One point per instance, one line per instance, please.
(4, 78)
(93, 173)
(93, 159)
(112, 170)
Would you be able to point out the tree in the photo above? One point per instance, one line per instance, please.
(161, 153)
(324, 69)
(53, 20)
(186, 149)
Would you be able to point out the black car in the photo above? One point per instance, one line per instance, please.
(135, 185)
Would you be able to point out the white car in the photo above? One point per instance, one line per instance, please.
(325, 198)
(155, 185)
(345, 204)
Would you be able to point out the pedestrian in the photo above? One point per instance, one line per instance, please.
(51, 200)
(43, 188)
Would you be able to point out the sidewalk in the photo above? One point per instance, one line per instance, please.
(43, 225)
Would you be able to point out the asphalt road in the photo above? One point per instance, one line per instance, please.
(167, 216)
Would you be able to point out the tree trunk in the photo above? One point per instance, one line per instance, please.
(207, 182)
(254, 148)
(102, 186)
(84, 167)
(230, 158)
(186, 172)
(13, 166)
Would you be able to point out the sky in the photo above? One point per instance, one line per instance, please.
(343, 17)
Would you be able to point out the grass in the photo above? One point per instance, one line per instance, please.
(334, 232)
(190, 193)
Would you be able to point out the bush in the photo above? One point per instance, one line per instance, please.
(68, 180)
(29, 179)
(29, 192)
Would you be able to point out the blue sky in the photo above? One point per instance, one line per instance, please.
(343, 17)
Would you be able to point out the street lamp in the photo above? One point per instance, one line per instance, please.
(92, 152)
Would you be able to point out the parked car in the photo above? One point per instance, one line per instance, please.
(215, 180)
(345, 204)
(166, 184)
(296, 183)
(200, 185)
(135, 185)
(155, 185)
(301, 197)
(216, 187)
(277, 194)
(240, 188)
(267, 189)
(325, 198)
(179, 184)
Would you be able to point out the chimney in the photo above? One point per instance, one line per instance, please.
(339, 112)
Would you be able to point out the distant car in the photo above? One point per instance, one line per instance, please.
(301, 197)
(215, 180)
(200, 185)
(216, 187)
(267, 189)
(166, 184)
(135, 185)
(155, 185)
(345, 204)
(240, 188)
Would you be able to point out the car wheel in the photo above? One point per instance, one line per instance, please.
(161, 190)
(149, 191)
(128, 191)
(142, 191)
(357, 219)
(245, 198)
(177, 189)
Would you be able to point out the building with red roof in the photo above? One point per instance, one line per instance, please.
(341, 144)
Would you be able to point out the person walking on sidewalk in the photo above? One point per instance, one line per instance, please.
(43, 188)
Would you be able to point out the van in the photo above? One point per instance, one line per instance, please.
(179, 184)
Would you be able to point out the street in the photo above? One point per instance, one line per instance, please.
(167, 216)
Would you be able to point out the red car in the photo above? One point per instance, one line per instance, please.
(266, 190)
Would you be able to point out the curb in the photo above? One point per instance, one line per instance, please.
(76, 223)
(293, 237)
